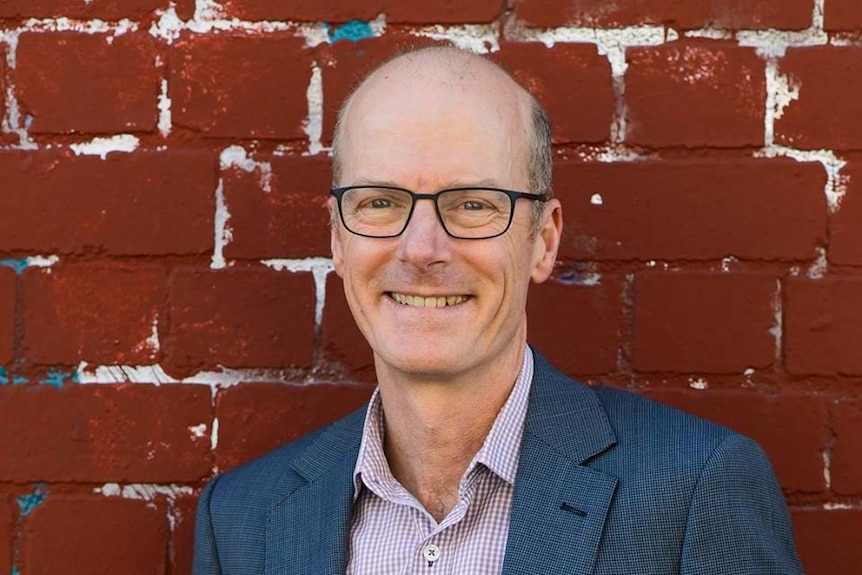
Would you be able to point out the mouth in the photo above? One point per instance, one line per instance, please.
(432, 301)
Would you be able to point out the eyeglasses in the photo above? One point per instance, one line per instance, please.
(465, 213)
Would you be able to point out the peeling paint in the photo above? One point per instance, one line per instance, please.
(820, 266)
(143, 491)
(16, 379)
(237, 157)
(477, 38)
(20, 264)
(152, 343)
(597, 200)
(698, 383)
(776, 331)
(354, 31)
(319, 267)
(223, 232)
(313, 125)
(28, 502)
(198, 431)
(113, 29)
(827, 468)
(56, 377)
(103, 146)
(164, 106)
(605, 40)
(214, 435)
(780, 92)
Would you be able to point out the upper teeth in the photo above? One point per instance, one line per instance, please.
(419, 301)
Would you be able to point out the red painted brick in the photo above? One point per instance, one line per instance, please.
(823, 326)
(576, 326)
(695, 94)
(792, 429)
(287, 220)
(843, 16)
(703, 322)
(344, 64)
(7, 314)
(7, 534)
(256, 418)
(183, 535)
(104, 433)
(95, 535)
(846, 465)
(343, 343)
(828, 540)
(685, 14)
(396, 11)
(101, 315)
(104, 9)
(240, 318)
(845, 233)
(146, 203)
(692, 209)
(830, 98)
(82, 83)
(572, 81)
(240, 87)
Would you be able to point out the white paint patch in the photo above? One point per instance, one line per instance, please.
(237, 157)
(143, 491)
(314, 123)
(709, 34)
(214, 435)
(41, 261)
(749, 371)
(698, 383)
(113, 29)
(837, 506)
(164, 105)
(477, 38)
(12, 122)
(727, 262)
(124, 143)
(774, 43)
(777, 328)
(605, 40)
(827, 468)
(314, 34)
(836, 183)
(151, 343)
(597, 200)
(223, 232)
(319, 267)
(152, 374)
(168, 27)
(780, 92)
(820, 266)
(198, 431)
(208, 10)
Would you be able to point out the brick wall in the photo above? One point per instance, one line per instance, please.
(166, 303)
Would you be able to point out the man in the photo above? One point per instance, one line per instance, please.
(475, 455)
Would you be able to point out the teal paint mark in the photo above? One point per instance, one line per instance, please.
(28, 502)
(355, 30)
(56, 377)
(16, 379)
(19, 265)
(15, 570)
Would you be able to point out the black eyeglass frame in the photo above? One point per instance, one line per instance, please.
(513, 196)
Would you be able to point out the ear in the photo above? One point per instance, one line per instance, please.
(335, 237)
(547, 241)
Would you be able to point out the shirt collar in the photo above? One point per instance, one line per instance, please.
(499, 452)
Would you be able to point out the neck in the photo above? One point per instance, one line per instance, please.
(434, 428)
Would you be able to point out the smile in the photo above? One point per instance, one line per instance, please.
(434, 301)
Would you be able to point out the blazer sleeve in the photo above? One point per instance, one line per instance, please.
(206, 561)
(738, 523)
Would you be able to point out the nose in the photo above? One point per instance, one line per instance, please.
(424, 242)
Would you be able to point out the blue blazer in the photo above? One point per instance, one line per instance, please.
(608, 482)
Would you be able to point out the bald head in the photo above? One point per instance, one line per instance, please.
(436, 85)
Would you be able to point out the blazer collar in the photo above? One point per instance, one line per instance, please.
(560, 504)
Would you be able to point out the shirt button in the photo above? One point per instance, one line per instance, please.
(431, 552)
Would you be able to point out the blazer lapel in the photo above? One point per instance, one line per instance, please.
(307, 532)
(560, 505)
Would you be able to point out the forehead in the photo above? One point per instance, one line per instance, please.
(435, 120)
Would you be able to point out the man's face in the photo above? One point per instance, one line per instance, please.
(427, 139)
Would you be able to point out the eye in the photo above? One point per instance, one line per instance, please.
(380, 203)
(473, 205)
